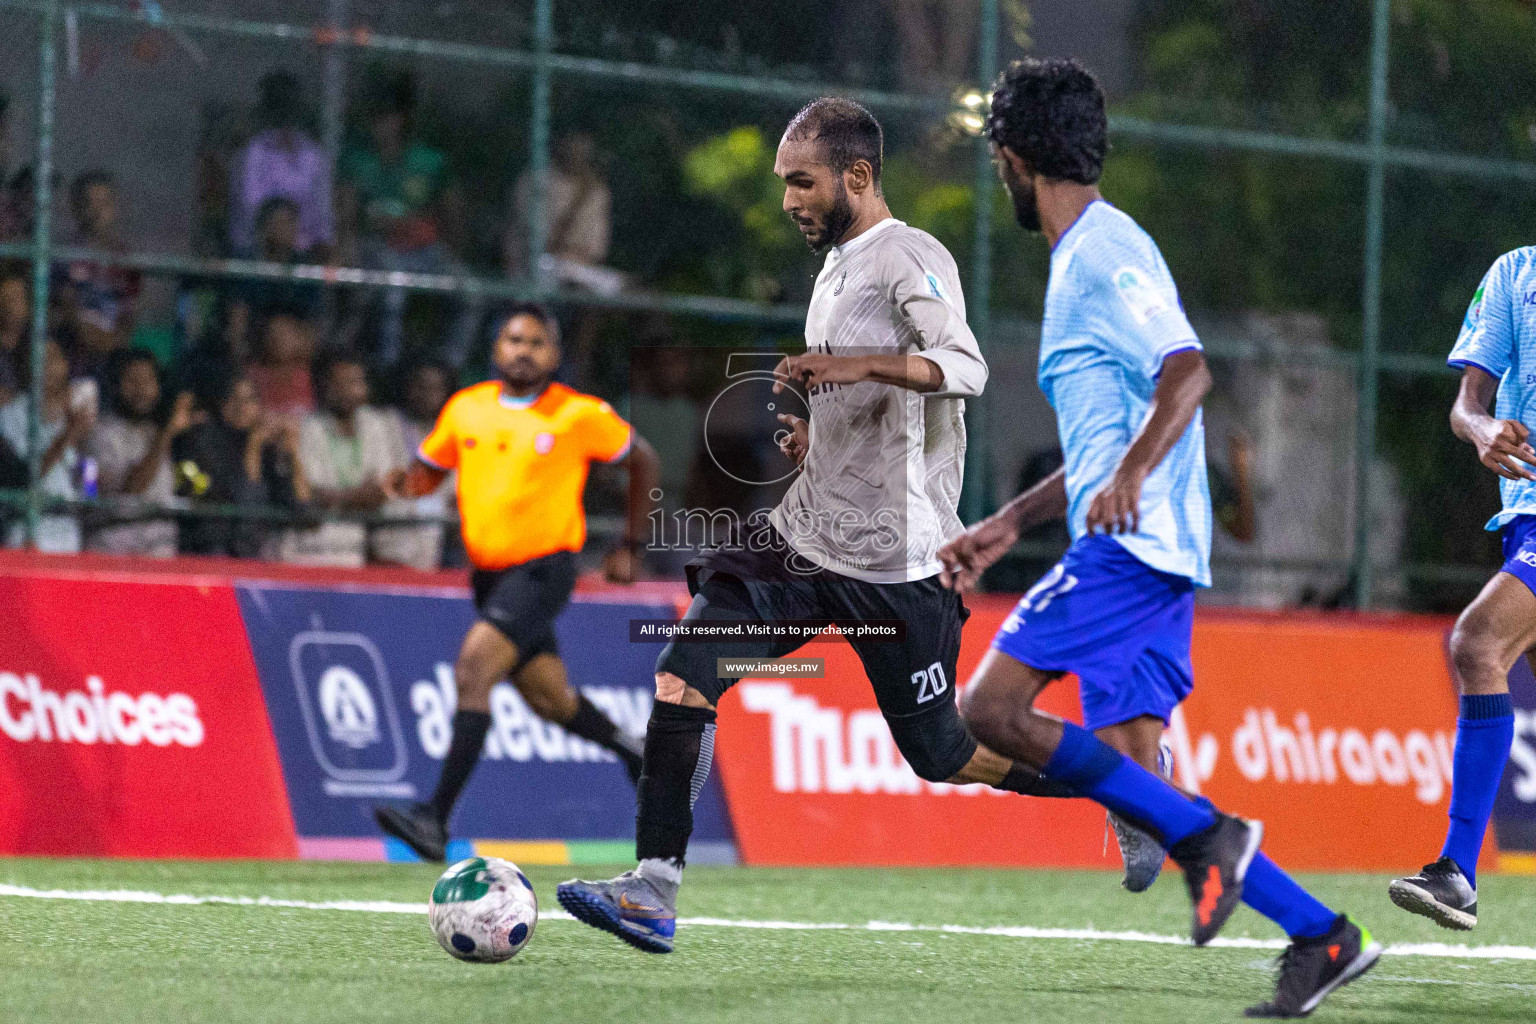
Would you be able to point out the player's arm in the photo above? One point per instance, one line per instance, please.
(949, 365)
(623, 563)
(1502, 445)
(416, 481)
(913, 372)
(437, 456)
(1184, 382)
(967, 556)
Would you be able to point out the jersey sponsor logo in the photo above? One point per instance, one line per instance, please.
(1528, 557)
(517, 734)
(827, 750)
(30, 712)
(934, 289)
(544, 443)
(1141, 296)
(840, 282)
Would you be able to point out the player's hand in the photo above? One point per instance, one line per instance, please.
(621, 566)
(967, 556)
(393, 483)
(1117, 506)
(815, 368)
(794, 442)
(1504, 447)
(1240, 455)
(79, 421)
(181, 414)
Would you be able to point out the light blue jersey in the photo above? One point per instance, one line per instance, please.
(1112, 315)
(1499, 336)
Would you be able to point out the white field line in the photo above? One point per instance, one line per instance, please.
(1428, 949)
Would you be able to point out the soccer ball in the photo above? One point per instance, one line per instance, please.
(483, 910)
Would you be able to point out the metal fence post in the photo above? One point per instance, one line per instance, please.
(42, 208)
(538, 145)
(976, 495)
(1370, 301)
(334, 89)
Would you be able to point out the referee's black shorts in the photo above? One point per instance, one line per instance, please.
(522, 601)
(913, 678)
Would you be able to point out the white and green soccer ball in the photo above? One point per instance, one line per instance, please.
(483, 910)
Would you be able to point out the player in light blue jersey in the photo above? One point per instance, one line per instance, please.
(1125, 374)
(1496, 352)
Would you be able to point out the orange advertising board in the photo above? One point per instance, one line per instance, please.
(1335, 731)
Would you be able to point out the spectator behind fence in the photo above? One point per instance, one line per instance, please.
(18, 204)
(425, 385)
(64, 425)
(15, 320)
(98, 299)
(237, 456)
(282, 161)
(15, 329)
(5, 134)
(399, 202)
(348, 450)
(578, 215)
(254, 300)
(281, 373)
(132, 449)
(7, 225)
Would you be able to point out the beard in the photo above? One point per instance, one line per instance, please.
(836, 222)
(522, 376)
(1025, 210)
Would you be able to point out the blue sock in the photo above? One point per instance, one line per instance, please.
(1484, 733)
(1276, 895)
(1099, 771)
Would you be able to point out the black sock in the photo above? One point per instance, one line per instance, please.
(1025, 780)
(591, 724)
(679, 749)
(469, 729)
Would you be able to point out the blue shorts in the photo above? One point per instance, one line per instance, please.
(1122, 627)
(1520, 549)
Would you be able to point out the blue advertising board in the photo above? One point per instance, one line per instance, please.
(359, 690)
(1514, 814)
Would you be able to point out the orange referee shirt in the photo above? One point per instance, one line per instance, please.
(522, 468)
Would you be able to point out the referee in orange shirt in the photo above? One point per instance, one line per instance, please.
(522, 445)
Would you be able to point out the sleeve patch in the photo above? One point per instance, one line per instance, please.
(1475, 311)
(1141, 296)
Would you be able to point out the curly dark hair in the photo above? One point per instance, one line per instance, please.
(1051, 113)
(847, 132)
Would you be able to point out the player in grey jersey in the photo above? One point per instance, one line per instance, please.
(890, 360)
(887, 309)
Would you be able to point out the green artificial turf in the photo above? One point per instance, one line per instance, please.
(73, 960)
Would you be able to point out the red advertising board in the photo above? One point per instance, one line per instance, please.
(812, 777)
(132, 724)
(1337, 732)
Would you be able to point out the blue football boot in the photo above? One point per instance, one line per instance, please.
(627, 906)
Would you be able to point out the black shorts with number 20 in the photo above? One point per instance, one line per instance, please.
(913, 678)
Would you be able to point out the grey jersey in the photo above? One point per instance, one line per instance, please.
(878, 491)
